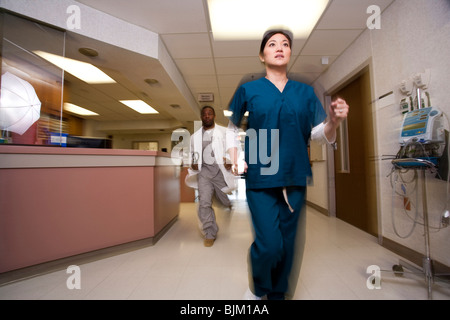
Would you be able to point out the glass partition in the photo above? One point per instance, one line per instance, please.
(31, 88)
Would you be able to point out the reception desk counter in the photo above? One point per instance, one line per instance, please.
(61, 202)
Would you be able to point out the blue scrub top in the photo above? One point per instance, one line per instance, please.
(291, 115)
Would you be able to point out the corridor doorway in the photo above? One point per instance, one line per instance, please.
(355, 170)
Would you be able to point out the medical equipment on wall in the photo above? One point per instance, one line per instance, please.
(422, 133)
(424, 125)
(424, 148)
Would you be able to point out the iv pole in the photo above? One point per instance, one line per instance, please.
(421, 165)
(427, 262)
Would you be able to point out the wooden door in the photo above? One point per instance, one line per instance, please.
(354, 159)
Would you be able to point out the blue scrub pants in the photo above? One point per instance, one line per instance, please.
(276, 253)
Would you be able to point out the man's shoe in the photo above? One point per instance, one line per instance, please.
(249, 295)
(209, 242)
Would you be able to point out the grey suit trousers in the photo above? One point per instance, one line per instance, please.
(207, 189)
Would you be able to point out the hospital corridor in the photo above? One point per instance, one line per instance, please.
(128, 127)
(337, 256)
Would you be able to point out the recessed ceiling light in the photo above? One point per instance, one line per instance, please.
(82, 70)
(88, 52)
(139, 106)
(249, 19)
(70, 107)
(151, 81)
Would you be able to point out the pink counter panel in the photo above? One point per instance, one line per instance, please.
(60, 202)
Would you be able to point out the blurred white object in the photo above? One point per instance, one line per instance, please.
(19, 105)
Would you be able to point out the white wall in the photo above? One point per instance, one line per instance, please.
(125, 141)
(414, 37)
(318, 191)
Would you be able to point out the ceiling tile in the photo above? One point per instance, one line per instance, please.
(160, 16)
(226, 95)
(230, 81)
(196, 81)
(349, 14)
(195, 45)
(196, 66)
(235, 48)
(242, 65)
(329, 42)
(310, 64)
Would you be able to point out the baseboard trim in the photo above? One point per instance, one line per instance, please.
(62, 264)
(318, 208)
(412, 255)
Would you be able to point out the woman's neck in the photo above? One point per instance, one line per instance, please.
(277, 77)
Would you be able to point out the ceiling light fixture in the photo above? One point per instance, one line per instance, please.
(151, 81)
(73, 108)
(249, 19)
(228, 113)
(82, 70)
(88, 52)
(139, 106)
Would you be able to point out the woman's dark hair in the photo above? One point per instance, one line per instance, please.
(270, 33)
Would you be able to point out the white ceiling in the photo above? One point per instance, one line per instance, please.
(206, 65)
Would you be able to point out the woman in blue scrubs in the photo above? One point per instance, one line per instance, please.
(283, 115)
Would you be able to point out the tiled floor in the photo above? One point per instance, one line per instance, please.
(180, 267)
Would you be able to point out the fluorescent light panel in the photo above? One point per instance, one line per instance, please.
(82, 70)
(228, 113)
(249, 19)
(78, 110)
(139, 106)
